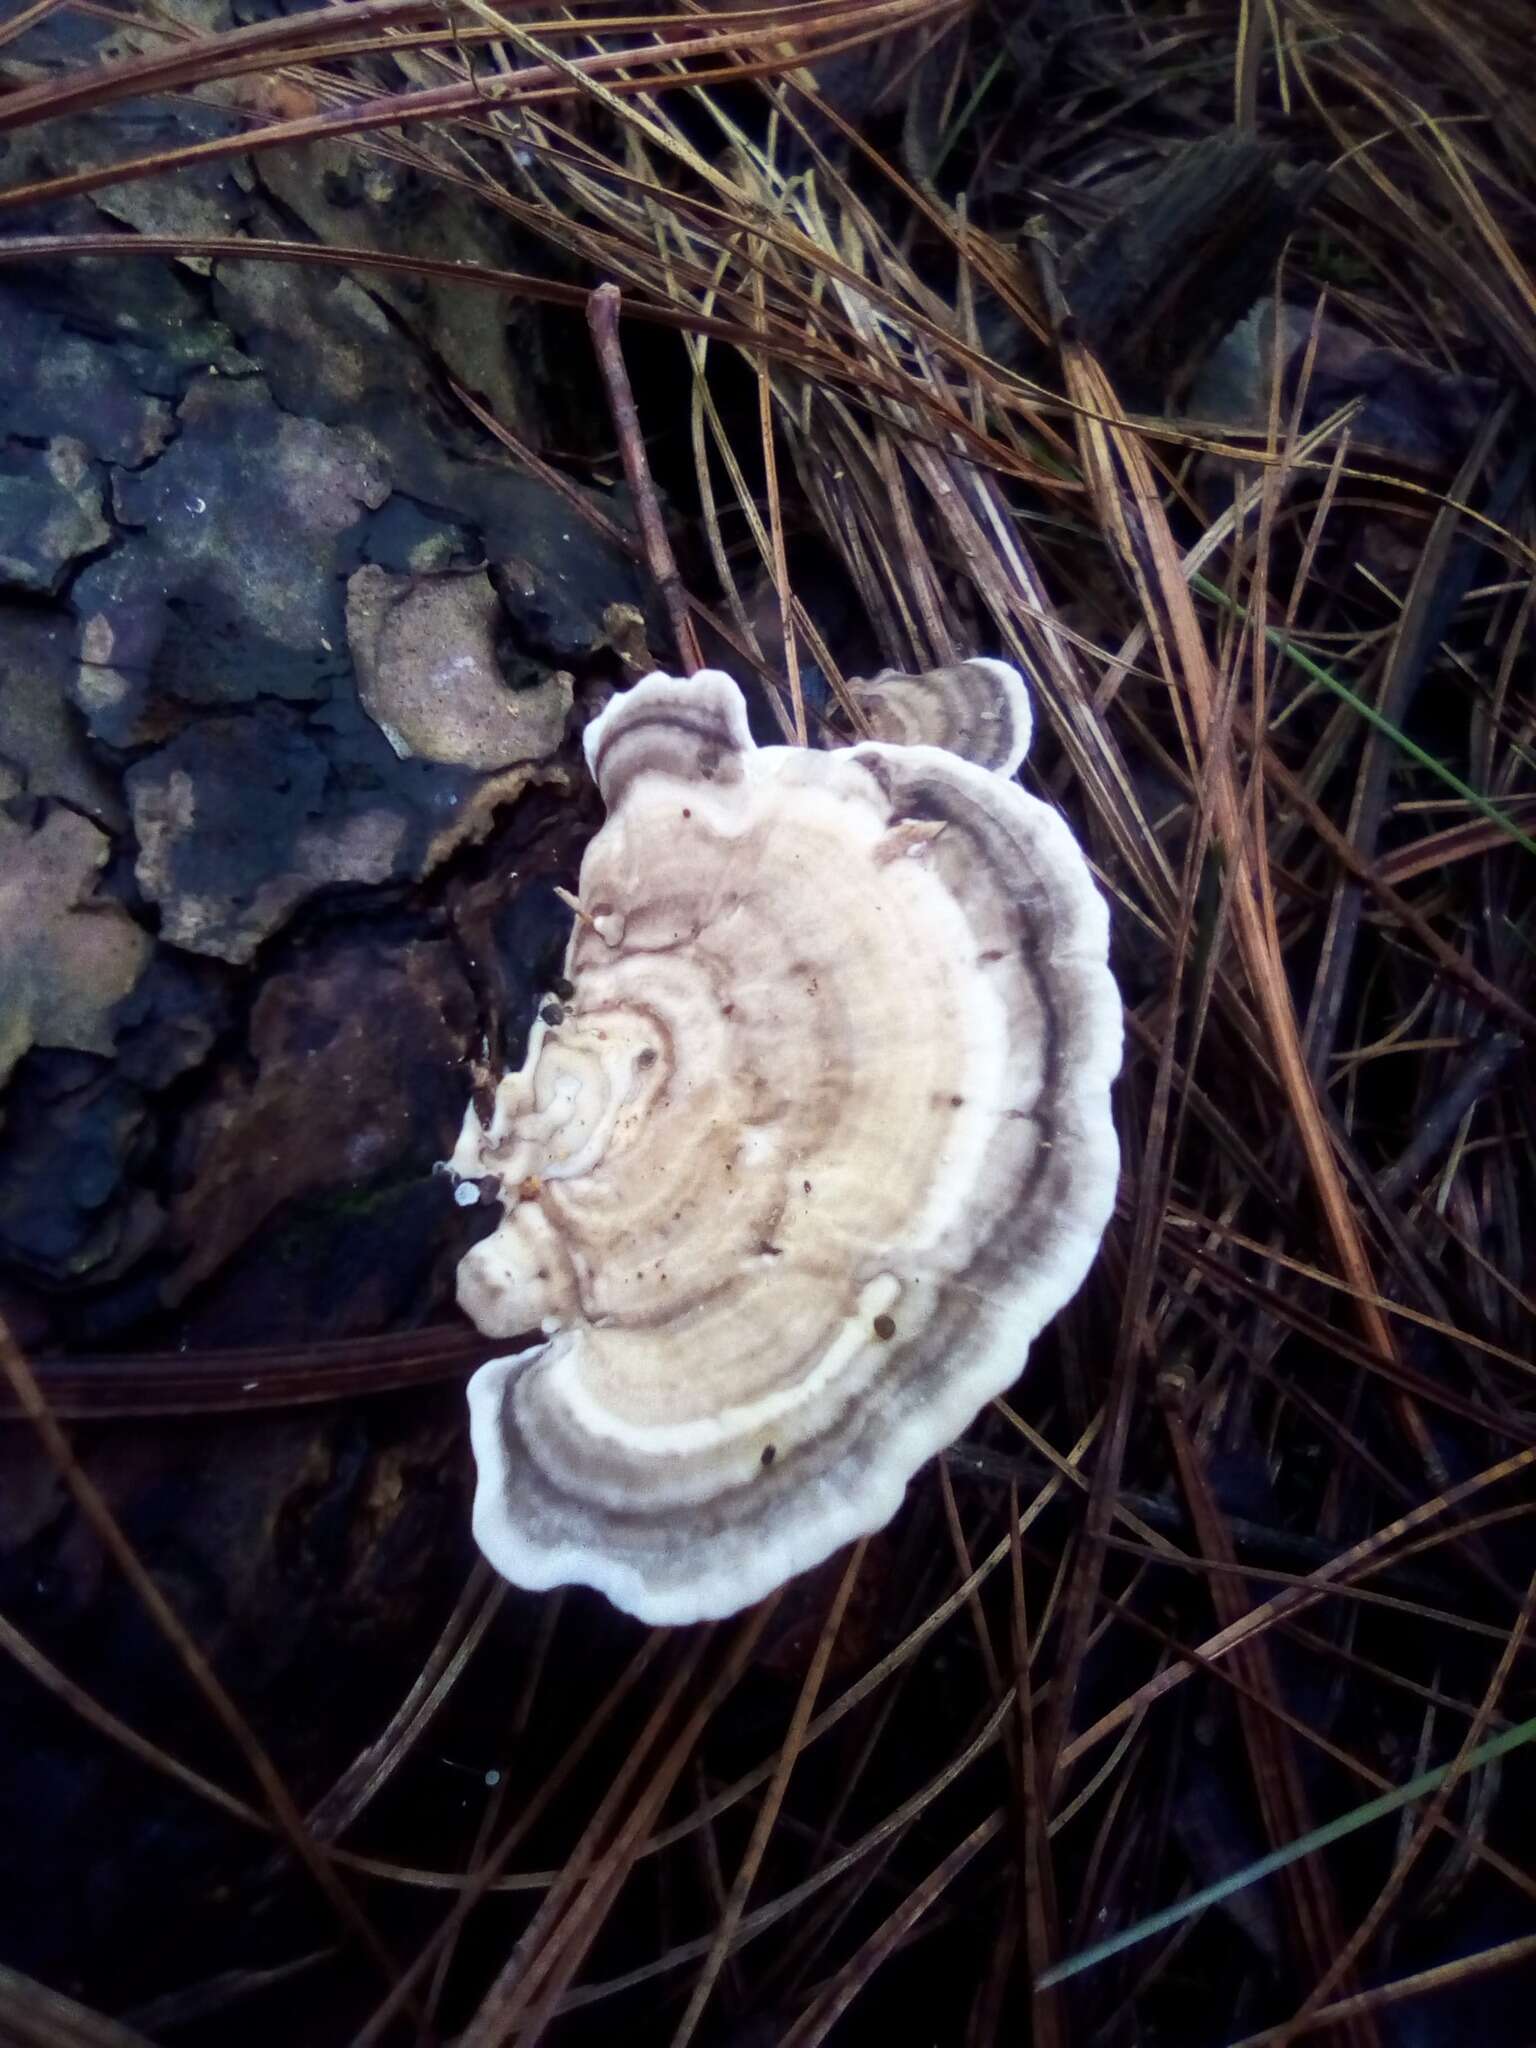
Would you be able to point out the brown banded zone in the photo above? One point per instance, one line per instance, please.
(821, 1140)
(695, 728)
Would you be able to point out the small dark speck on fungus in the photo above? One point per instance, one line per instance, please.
(770, 1452)
(552, 1014)
(562, 988)
(647, 1057)
(885, 1327)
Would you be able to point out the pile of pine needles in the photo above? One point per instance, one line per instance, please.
(1185, 1700)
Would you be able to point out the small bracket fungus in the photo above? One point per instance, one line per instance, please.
(820, 1140)
(978, 709)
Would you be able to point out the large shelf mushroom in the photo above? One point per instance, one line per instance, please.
(820, 1141)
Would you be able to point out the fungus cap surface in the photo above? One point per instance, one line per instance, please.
(978, 709)
(820, 1141)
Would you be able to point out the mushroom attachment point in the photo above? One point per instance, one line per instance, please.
(820, 1140)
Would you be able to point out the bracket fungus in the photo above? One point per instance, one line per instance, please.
(818, 1140)
(978, 709)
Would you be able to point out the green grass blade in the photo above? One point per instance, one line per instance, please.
(1283, 645)
(1277, 1859)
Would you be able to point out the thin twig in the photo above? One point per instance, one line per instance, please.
(603, 321)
